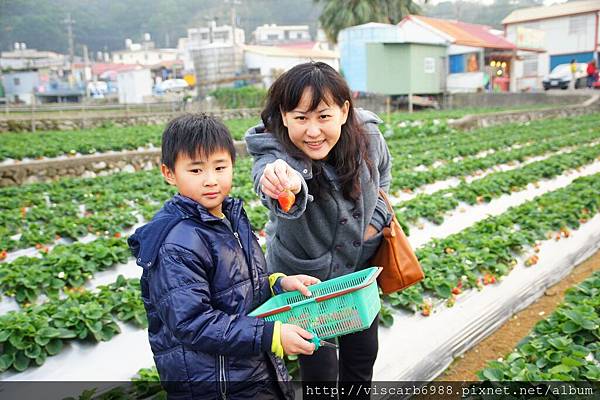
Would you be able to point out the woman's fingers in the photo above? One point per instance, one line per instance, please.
(276, 178)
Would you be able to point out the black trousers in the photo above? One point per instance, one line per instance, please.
(357, 354)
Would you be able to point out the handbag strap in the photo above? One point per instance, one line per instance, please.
(387, 201)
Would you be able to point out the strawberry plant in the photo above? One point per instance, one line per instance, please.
(562, 347)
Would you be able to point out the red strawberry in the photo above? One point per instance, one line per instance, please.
(117, 235)
(456, 290)
(286, 200)
(3, 254)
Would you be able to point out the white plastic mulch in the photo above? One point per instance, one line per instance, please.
(414, 348)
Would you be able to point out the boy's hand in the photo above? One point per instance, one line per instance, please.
(295, 340)
(279, 176)
(298, 282)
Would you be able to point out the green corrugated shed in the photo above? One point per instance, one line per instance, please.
(406, 68)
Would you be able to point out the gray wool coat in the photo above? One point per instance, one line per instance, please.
(323, 237)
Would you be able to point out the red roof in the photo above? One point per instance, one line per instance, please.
(100, 68)
(465, 34)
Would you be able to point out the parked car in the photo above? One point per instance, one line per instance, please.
(561, 76)
(171, 85)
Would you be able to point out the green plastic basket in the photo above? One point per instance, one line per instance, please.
(337, 307)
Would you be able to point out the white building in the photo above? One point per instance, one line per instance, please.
(134, 85)
(272, 61)
(23, 58)
(143, 53)
(270, 34)
(566, 31)
(216, 53)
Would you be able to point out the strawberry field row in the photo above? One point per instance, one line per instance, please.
(420, 151)
(563, 347)
(90, 141)
(29, 336)
(485, 251)
(411, 179)
(64, 267)
(40, 213)
(434, 206)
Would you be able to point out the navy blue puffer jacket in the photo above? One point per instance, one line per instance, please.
(200, 281)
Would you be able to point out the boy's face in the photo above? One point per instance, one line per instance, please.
(207, 180)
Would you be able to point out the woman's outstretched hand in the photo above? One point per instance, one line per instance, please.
(277, 177)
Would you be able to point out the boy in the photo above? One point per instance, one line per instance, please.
(204, 272)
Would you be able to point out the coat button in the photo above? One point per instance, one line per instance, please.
(356, 243)
(305, 171)
(356, 215)
(343, 221)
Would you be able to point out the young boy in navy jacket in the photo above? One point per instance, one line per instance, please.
(204, 271)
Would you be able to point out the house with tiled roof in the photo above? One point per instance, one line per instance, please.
(479, 58)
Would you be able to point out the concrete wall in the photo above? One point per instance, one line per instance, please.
(468, 122)
(28, 123)
(85, 166)
(463, 100)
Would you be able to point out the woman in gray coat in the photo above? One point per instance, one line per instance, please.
(334, 160)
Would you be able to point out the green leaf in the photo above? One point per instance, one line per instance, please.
(33, 351)
(493, 374)
(48, 332)
(41, 359)
(16, 340)
(560, 369)
(6, 361)
(570, 327)
(42, 341)
(4, 335)
(571, 362)
(54, 346)
(66, 333)
(21, 362)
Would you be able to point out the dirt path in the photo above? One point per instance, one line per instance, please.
(504, 340)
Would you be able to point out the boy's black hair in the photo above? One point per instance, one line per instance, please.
(195, 134)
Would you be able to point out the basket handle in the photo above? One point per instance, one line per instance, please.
(350, 290)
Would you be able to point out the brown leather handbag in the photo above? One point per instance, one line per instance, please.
(401, 268)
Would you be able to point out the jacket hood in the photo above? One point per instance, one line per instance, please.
(147, 239)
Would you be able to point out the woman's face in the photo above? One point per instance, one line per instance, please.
(315, 132)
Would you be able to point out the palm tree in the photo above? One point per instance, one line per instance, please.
(340, 14)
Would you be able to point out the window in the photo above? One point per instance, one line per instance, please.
(272, 36)
(16, 81)
(578, 25)
(429, 67)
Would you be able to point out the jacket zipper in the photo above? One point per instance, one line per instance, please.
(238, 239)
(222, 378)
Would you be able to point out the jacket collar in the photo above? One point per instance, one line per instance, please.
(232, 209)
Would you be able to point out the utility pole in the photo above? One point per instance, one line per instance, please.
(69, 22)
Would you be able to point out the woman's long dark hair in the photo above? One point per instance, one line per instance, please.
(326, 85)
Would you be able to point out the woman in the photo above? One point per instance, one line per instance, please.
(334, 159)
